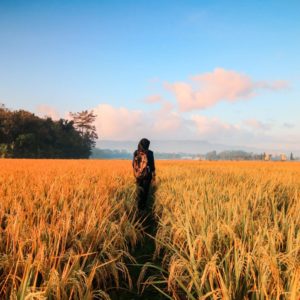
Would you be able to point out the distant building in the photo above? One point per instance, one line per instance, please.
(267, 157)
(283, 157)
(187, 157)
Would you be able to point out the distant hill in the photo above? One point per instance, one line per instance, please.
(172, 146)
(124, 154)
(188, 147)
(211, 155)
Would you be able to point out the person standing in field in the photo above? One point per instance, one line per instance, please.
(144, 171)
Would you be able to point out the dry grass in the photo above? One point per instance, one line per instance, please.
(229, 230)
(226, 230)
(66, 227)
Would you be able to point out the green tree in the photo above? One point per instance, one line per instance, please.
(22, 134)
(212, 155)
(84, 123)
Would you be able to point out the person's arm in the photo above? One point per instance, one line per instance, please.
(153, 167)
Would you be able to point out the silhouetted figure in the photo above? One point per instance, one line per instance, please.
(144, 171)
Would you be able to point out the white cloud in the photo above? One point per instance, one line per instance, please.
(215, 130)
(257, 125)
(165, 123)
(118, 123)
(206, 90)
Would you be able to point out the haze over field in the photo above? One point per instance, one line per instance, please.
(224, 74)
(188, 147)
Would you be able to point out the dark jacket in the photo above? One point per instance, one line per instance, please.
(144, 146)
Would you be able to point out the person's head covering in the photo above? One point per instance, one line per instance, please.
(143, 145)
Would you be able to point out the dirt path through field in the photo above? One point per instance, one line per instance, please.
(143, 253)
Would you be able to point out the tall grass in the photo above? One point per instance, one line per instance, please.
(225, 230)
(229, 230)
(66, 228)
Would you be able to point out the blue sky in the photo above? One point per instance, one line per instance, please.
(110, 56)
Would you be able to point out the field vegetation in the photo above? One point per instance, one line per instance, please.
(66, 228)
(229, 230)
(226, 230)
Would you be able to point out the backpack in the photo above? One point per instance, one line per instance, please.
(141, 169)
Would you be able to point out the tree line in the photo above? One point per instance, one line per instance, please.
(25, 135)
(124, 154)
(241, 155)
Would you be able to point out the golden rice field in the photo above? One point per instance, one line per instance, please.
(226, 230)
(230, 230)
